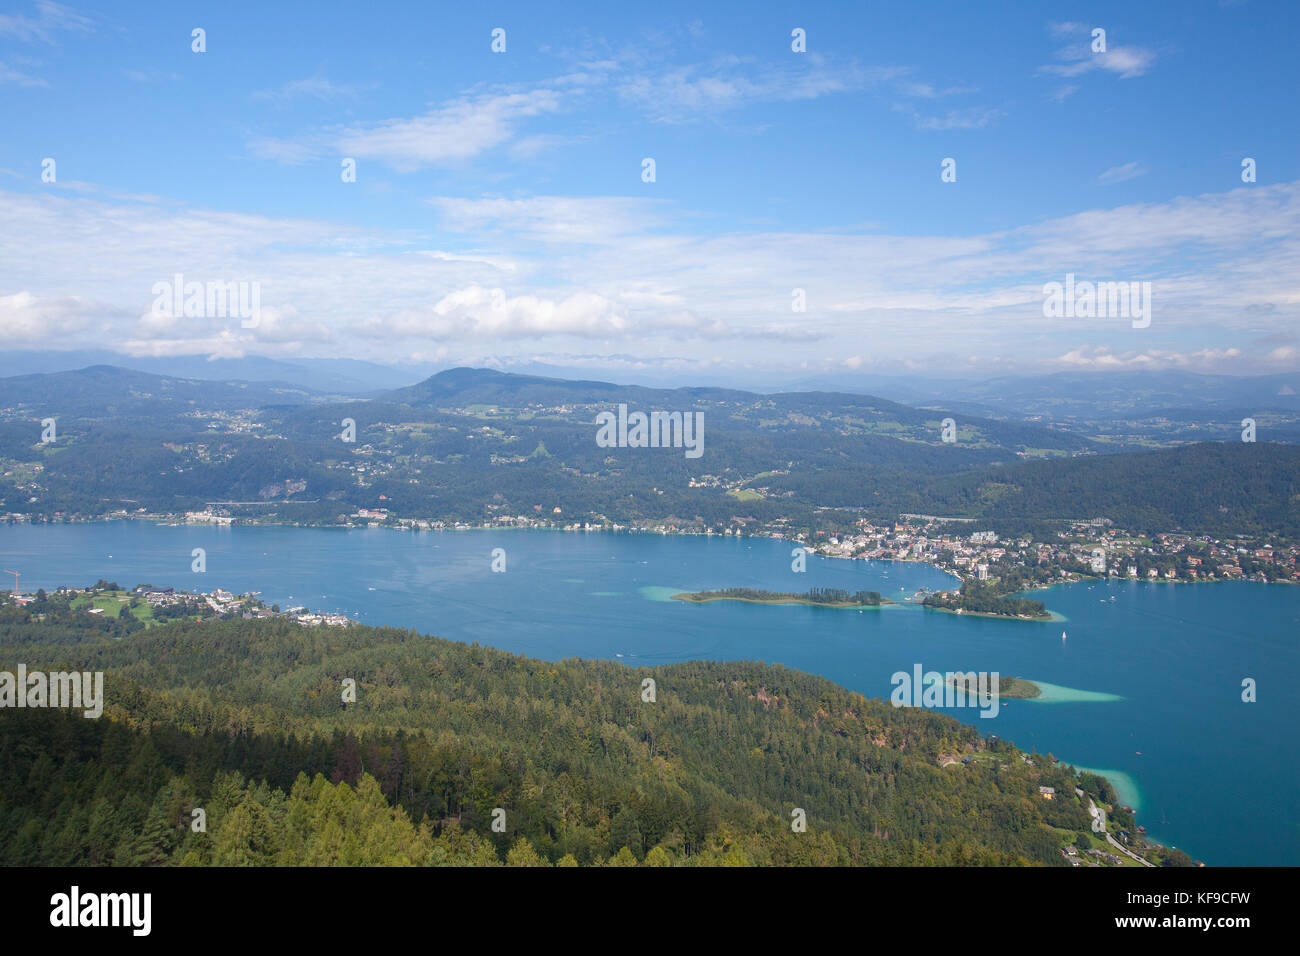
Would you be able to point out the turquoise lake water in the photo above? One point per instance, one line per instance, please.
(1161, 664)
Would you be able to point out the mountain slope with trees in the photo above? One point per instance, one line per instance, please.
(245, 720)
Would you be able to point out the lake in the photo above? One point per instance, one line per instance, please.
(1164, 662)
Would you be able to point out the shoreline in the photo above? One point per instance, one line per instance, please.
(1053, 616)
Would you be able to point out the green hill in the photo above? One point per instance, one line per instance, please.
(1209, 487)
(245, 720)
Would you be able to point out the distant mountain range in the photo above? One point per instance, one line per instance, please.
(1083, 396)
(104, 391)
(327, 376)
(1127, 394)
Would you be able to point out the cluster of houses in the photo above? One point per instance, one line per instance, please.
(1089, 547)
(1072, 854)
(207, 517)
(317, 618)
(225, 602)
(1086, 547)
(157, 597)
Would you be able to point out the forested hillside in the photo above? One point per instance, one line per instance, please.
(245, 720)
(476, 446)
(467, 444)
(1212, 488)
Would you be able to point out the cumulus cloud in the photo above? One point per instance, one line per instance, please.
(507, 271)
(477, 312)
(1108, 359)
(26, 319)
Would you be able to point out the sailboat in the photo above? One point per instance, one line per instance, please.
(1062, 637)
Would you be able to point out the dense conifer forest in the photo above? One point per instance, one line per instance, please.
(245, 721)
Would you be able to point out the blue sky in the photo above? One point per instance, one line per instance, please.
(499, 213)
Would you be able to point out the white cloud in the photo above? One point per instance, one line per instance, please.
(1124, 61)
(685, 92)
(927, 91)
(1067, 28)
(314, 87)
(1127, 62)
(225, 344)
(151, 75)
(9, 75)
(558, 219)
(286, 151)
(971, 118)
(505, 271)
(26, 319)
(50, 19)
(476, 312)
(1103, 358)
(453, 132)
(1119, 174)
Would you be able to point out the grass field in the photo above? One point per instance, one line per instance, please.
(114, 603)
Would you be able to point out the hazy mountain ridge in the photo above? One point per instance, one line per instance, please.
(469, 445)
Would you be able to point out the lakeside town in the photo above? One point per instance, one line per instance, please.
(152, 605)
(1090, 548)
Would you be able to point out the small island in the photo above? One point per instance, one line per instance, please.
(816, 597)
(1011, 688)
(983, 600)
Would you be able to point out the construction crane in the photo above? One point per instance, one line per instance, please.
(15, 574)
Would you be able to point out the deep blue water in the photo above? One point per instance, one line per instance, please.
(1223, 773)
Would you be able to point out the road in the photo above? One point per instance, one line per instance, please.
(1096, 812)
